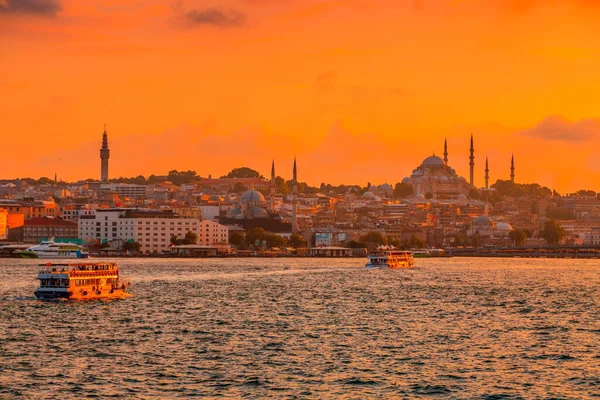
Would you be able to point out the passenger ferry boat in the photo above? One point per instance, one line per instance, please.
(390, 257)
(50, 250)
(83, 281)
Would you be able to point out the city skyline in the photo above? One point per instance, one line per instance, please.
(354, 100)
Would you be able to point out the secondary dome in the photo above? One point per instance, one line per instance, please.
(484, 221)
(433, 161)
(257, 212)
(504, 226)
(368, 195)
(252, 197)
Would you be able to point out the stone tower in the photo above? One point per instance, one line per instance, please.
(295, 200)
(445, 151)
(104, 155)
(512, 169)
(273, 188)
(487, 174)
(472, 162)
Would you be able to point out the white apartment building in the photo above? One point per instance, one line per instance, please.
(151, 229)
(130, 190)
(212, 233)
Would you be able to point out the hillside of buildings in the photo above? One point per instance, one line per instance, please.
(244, 210)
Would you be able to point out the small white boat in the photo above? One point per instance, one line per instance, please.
(390, 257)
(51, 250)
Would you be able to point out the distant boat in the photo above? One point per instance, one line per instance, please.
(390, 257)
(50, 250)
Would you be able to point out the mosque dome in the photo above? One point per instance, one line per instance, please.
(443, 179)
(377, 198)
(504, 227)
(252, 197)
(234, 212)
(406, 180)
(257, 212)
(484, 221)
(386, 186)
(373, 188)
(433, 161)
(420, 196)
(369, 195)
(461, 198)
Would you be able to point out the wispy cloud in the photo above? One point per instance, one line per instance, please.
(47, 8)
(556, 127)
(216, 17)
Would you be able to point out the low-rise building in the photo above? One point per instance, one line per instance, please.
(36, 229)
(152, 229)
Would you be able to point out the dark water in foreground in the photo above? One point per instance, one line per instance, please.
(292, 328)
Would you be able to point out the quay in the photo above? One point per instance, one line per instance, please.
(591, 251)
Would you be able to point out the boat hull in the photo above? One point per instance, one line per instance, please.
(83, 295)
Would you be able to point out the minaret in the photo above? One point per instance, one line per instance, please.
(104, 155)
(295, 200)
(487, 174)
(472, 162)
(445, 151)
(273, 187)
(512, 169)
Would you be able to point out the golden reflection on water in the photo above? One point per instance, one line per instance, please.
(316, 328)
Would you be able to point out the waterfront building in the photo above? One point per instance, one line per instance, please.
(152, 229)
(3, 224)
(212, 233)
(36, 229)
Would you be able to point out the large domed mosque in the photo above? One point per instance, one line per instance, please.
(436, 177)
(253, 210)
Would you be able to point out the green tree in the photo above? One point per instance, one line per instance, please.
(402, 190)
(562, 214)
(132, 246)
(255, 234)
(394, 242)
(553, 232)
(373, 239)
(190, 238)
(274, 240)
(297, 241)
(243, 172)
(586, 193)
(353, 244)
(239, 187)
(282, 186)
(179, 178)
(414, 242)
(518, 237)
(474, 194)
(236, 239)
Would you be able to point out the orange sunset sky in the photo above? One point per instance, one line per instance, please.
(360, 91)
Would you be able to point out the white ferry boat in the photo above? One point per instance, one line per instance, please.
(51, 250)
(390, 257)
(83, 281)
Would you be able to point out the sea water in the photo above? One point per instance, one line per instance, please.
(472, 328)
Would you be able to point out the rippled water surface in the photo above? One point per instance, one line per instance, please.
(310, 328)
